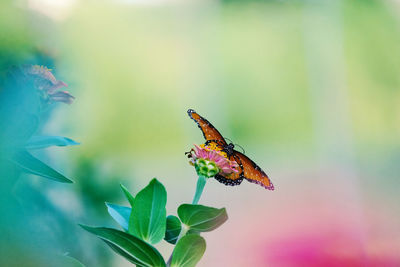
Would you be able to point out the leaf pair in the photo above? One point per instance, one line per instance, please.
(195, 218)
(144, 224)
(192, 220)
(30, 164)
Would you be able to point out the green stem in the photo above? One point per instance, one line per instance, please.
(201, 182)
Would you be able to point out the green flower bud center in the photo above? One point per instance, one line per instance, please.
(206, 168)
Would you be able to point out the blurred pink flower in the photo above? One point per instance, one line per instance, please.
(321, 250)
(47, 83)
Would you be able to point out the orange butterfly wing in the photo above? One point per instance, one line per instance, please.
(208, 130)
(252, 172)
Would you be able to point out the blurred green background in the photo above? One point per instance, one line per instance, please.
(310, 89)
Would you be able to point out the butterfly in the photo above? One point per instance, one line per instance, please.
(248, 169)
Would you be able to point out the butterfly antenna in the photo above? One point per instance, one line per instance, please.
(244, 152)
(228, 139)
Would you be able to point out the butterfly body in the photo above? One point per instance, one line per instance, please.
(247, 169)
(227, 148)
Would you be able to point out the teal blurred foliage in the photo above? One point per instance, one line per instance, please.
(19, 109)
(30, 222)
(34, 230)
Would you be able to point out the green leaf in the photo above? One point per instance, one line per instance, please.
(132, 248)
(120, 214)
(37, 142)
(174, 228)
(128, 195)
(148, 217)
(188, 251)
(193, 232)
(201, 218)
(30, 164)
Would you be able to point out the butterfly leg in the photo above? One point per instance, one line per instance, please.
(189, 153)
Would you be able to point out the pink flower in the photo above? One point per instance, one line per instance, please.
(210, 161)
(45, 82)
